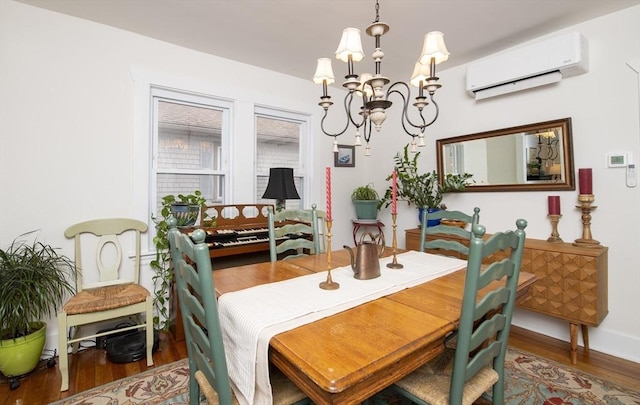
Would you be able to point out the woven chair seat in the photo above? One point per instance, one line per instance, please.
(209, 393)
(103, 298)
(283, 390)
(431, 382)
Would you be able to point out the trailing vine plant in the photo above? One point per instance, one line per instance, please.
(163, 275)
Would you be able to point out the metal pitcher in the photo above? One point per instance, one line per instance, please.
(365, 264)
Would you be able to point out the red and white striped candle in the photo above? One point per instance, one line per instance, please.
(394, 194)
(328, 193)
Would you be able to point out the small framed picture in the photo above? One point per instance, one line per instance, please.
(345, 156)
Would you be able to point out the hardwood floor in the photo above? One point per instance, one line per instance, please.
(91, 368)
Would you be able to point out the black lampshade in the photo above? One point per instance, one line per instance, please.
(281, 185)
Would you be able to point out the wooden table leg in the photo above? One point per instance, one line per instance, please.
(573, 332)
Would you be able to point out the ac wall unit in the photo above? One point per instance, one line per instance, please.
(533, 65)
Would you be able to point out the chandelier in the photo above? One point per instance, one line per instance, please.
(370, 88)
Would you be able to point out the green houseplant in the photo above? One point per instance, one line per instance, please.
(185, 207)
(365, 200)
(421, 189)
(35, 281)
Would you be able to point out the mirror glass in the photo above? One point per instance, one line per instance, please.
(528, 157)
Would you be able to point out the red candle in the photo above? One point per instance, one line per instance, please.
(585, 181)
(554, 204)
(394, 194)
(328, 193)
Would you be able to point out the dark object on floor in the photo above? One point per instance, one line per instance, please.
(129, 347)
(101, 341)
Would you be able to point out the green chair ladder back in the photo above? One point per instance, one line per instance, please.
(203, 334)
(442, 244)
(477, 364)
(293, 230)
(114, 294)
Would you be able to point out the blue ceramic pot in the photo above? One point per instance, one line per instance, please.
(431, 222)
(185, 214)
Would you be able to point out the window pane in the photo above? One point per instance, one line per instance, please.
(188, 146)
(189, 137)
(210, 185)
(278, 145)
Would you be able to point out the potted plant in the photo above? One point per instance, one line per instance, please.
(365, 200)
(35, 280)
(421, 189)
(185, 208)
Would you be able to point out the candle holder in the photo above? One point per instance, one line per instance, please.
(555, 237)
(394, 264)
(587, 240)
(329, 284)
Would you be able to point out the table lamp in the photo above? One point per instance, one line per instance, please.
(281, 186)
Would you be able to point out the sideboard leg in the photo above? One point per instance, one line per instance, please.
(573, 332)
(585, 337)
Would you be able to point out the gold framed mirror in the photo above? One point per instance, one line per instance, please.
(533, 157)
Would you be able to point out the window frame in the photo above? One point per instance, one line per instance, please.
(159, 94)
(304, 158)
(143, 199)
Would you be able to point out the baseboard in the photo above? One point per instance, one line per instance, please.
(601, 339)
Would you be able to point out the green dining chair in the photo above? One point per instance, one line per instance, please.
(293, 233)
(462, 375)
(450, 230)
(207, 362)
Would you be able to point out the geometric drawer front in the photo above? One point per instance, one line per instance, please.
(572, 281)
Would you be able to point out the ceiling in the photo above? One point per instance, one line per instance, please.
(289, 35)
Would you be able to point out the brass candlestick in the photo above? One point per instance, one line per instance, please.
(585, 205)
(555, 237)
(394, 264)
(329, 284)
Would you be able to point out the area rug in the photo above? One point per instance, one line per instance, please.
(529, 380)
(534, 380)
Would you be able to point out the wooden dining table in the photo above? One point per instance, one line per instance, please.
(348, 357)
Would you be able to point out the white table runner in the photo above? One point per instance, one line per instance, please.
(251, 317)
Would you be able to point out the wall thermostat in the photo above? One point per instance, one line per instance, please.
(617, 160)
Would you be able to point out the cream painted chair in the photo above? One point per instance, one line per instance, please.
(110, 296)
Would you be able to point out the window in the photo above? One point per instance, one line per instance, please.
(280, 138)
(189, 140)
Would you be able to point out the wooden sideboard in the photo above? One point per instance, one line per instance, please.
(571, 285)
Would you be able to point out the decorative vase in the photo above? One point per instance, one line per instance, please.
(21, 355)
(430, 222)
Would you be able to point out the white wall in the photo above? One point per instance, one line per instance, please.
(71, 122)
(605, 110)
(68, 132)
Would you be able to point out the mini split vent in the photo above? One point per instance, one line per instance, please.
(533, 65)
